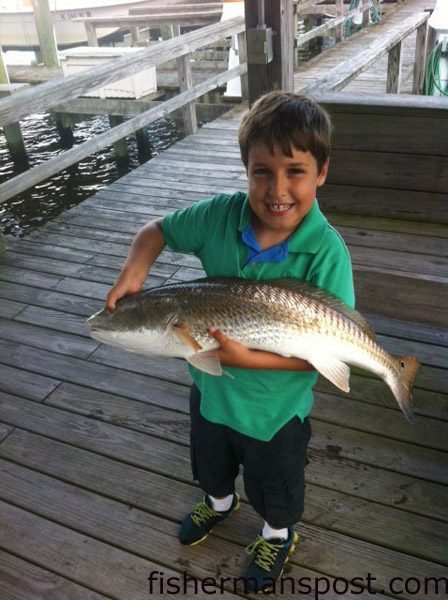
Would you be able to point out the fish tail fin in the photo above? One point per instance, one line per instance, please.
(402, 385)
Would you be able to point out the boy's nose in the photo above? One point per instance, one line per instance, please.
(279, 188)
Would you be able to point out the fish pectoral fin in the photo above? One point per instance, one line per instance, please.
(334, 370)
(207, 361)
(183, 332)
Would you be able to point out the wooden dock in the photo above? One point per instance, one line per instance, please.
(95, 475)
(94, 441)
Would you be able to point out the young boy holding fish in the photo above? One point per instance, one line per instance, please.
(258, 417)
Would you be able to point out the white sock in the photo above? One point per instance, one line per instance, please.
(269, 532)
(221, 504)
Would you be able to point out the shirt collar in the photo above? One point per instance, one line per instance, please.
(307, 237)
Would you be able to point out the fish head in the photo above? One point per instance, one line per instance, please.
(139, 323)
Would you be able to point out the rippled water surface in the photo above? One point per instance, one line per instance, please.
(44, 201)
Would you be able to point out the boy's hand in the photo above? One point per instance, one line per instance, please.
(125, 285)
(231, 353)
(234, 354)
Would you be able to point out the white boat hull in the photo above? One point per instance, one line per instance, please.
(17, 29)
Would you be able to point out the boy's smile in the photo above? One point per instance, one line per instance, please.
(282, 190)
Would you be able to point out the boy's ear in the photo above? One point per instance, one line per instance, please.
(323, 173)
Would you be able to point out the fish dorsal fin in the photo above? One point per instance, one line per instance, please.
(305, 287)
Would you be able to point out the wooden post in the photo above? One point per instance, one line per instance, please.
(45, 32)
(143, 145)
(92, 39)
(394, 70)
(65, 129)
(4, 77)
(339, 31)
(420, 59)
(13, 133)
(277, 74)
(366, 14)
(242, 55)
(185, 79)
(120, 146)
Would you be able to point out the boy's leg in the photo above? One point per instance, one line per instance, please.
(215, 466)
(275, 485)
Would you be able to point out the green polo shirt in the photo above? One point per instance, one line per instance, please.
(258, 403)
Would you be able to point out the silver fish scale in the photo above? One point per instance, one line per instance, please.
(260, 314)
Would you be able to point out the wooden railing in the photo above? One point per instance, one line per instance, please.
(48, 95)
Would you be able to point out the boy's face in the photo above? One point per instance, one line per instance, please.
(282, 189)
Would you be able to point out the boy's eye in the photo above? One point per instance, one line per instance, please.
(295, 171)
(260, 171)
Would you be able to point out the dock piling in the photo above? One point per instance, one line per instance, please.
(12, 131)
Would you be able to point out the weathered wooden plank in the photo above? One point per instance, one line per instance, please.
(32, 278)
(346, 412)
(5, 430)
(20, 579)
(378, 170)
(96, 565)
(382, 223)
(54, 319)
(9, 309)
(401, 329)
(406, 262)
(47, 250)
(50, 299)
(389, 131)
(421, 303)
(93, 375)
(404, 242)
(396, 456)
(431, 403)
(35, 263)
(29, 385)
(40, 337)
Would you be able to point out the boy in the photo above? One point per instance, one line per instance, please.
(258, 418)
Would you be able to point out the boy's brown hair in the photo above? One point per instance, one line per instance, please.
(288, 120)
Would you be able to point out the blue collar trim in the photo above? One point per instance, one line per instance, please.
(276, 253)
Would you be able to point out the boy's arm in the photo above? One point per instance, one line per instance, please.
(145, 248)
(234, 354)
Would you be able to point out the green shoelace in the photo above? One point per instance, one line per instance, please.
(266, 552)
(201, 513)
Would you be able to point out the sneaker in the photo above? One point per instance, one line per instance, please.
(270, 557)
(199, 523)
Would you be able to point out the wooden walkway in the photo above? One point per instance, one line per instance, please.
(94, 452)
(94, 441)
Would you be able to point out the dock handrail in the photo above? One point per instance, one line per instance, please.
(51, 94)
(332, 24)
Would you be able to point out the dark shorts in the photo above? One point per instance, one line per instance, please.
(273, 471)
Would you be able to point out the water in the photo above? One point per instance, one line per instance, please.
(30, 209)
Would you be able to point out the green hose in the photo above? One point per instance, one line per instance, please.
(375, 15)
(433, 80)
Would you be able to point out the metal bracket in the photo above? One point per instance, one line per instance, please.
(259, 46)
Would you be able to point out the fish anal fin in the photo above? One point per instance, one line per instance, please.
(207, 361)
(334, 370)
(183, 332)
